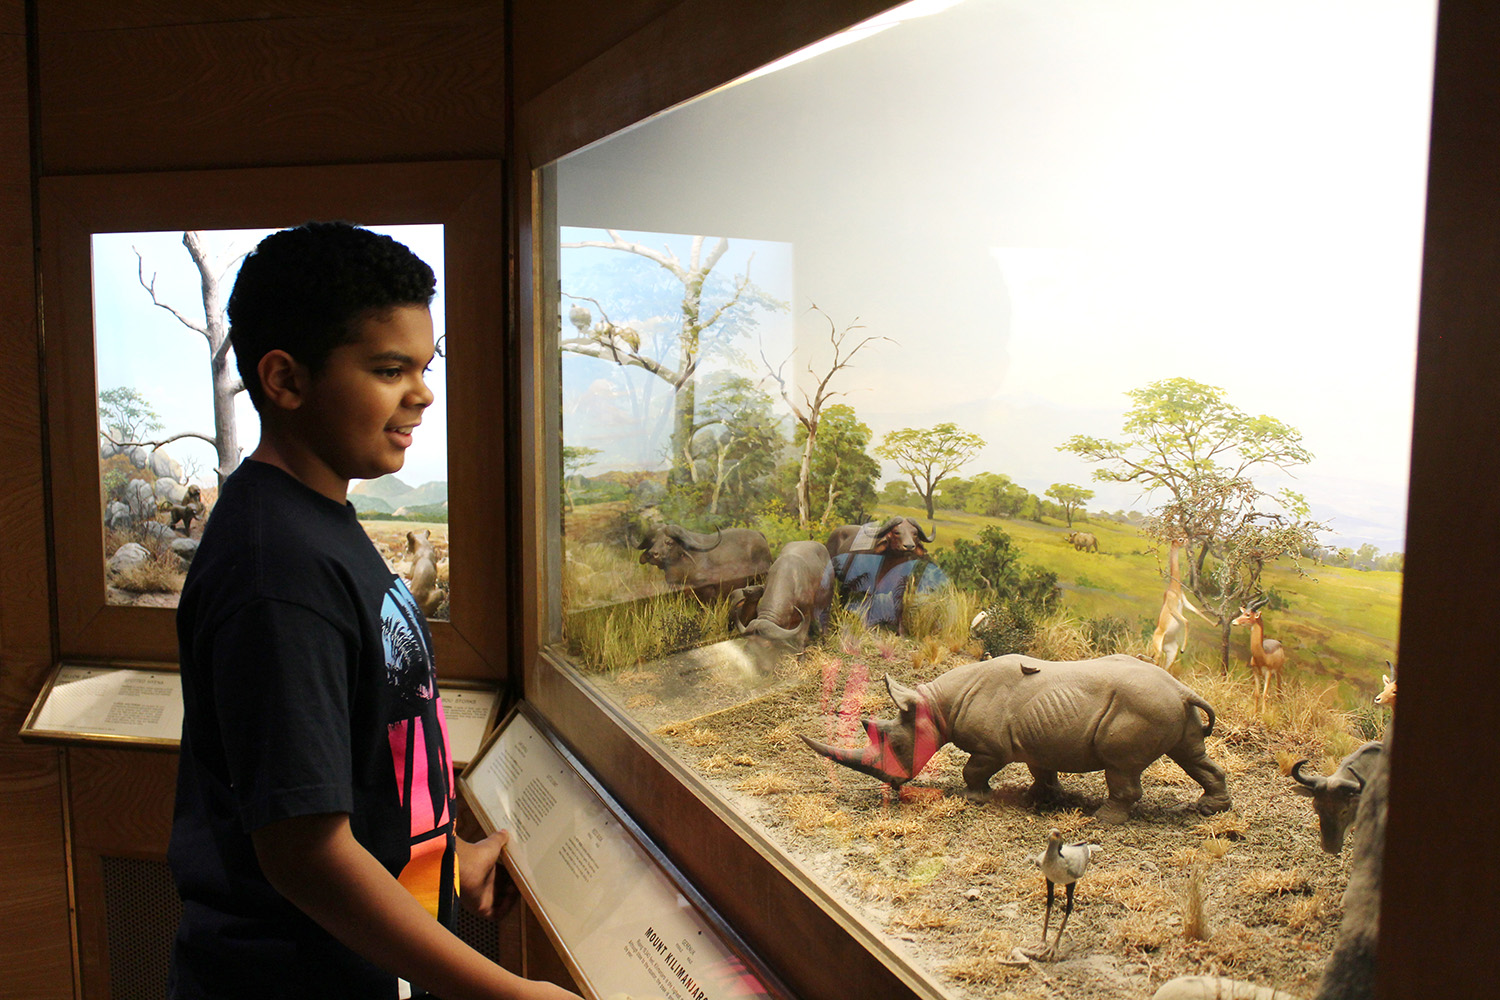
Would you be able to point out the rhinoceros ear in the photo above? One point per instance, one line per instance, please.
(906, 698)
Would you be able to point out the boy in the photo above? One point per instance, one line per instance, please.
(313, 841)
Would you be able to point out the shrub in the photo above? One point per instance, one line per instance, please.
(1006, 628)
(993, 564)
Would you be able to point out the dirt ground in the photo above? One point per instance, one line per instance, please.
(950, 884)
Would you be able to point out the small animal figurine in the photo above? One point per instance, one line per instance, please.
(1061, 864)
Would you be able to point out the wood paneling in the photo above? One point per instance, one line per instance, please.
(557, 37)
(691, 48)
(111, 15)
(1445, 779)
(36, 946)
(463, 196)
(355, 88)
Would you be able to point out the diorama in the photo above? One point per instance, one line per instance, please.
(175, 421)
(989, 476)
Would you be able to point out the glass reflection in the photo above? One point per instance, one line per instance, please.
(174, 421)
(1063, 329)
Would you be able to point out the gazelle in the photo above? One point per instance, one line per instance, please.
(1171, 624)
(1387, 697)
(1267, 656)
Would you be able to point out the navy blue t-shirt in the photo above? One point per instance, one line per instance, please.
(308, 687)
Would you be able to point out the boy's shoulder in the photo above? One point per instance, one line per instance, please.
(268, 530)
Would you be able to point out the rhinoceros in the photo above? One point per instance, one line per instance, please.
(793, 600)
(1114, 714)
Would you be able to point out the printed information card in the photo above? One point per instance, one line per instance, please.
(627, 929)
(140, 705)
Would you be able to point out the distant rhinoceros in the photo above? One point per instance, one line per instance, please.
(1114, 714)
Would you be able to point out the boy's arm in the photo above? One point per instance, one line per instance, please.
(315, 862)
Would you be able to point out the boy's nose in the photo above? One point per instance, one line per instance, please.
(421, 396)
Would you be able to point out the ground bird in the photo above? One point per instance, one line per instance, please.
(1061, 864)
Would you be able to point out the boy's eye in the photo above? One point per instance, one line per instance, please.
(388, 372)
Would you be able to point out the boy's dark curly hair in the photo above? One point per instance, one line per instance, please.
(304, 291)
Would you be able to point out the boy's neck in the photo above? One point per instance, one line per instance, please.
(303, 467)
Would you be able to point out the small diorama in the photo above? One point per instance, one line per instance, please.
(993, 504)
(175, 421)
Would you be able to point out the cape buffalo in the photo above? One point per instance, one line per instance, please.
(794, 600)
(874, 564)
(709, 565)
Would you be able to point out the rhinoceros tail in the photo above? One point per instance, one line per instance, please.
(1198, 702)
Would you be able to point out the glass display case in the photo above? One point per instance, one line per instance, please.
(985, 328)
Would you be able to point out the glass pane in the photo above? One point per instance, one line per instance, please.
(1067, 329)
(164, 445)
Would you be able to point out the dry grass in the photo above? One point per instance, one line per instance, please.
(1194, 906)
(157, 575)
(1275, 882)
(765, 783)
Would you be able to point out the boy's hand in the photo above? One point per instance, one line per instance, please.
(482, 888)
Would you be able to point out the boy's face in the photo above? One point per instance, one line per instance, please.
(361, 408)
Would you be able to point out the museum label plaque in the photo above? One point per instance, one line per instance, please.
(623, 919)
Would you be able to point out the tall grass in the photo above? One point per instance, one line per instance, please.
(618, 636)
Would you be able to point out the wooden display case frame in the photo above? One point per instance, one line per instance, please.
(465, 197)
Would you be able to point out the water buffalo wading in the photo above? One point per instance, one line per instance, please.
(794, 599)
(709, 565)
(1336, 797)
(1113, 714)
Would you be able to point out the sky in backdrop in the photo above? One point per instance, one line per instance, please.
(141, 345)
(1045, 204)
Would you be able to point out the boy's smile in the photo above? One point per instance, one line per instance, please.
(354, 419)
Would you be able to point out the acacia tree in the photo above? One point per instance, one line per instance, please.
(622, 345)
(214, 329)
(809, 409)
(1070, 498)
(928, 455)
(1186, 444)
(575, 458)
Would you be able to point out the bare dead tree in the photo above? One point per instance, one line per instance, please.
(215, 331)
(615, 343)
(809, 410)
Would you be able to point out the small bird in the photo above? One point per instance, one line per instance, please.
(1061, 864)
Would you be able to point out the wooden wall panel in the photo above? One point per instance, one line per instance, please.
(352, 88)
(555, 37)
(36, 945)
(1445, 778)
(110, 15)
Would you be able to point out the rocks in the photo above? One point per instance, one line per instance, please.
(129, 556)
(184, 549)
(1216, 988)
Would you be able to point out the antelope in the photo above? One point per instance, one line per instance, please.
(1387, 697)
(1171, 624)
(1267, 656)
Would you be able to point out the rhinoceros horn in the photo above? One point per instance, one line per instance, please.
(693, 539)
(866, 760)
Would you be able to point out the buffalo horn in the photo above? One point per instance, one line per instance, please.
(1303, 779)
(693, 539)
(885, 528)
(927, 538)
(769, 629)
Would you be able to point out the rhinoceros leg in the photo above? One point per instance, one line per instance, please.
(977, 774)
(1194, 760)
(1044, 786)
(1124, 792)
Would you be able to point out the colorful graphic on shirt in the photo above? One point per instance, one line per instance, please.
(419, 750)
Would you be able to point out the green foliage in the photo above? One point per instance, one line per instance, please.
(1007, 628)
(843, 475)
(126, 414)
(929, 455)
(1107, 634)
(779, 528)
(993, 565)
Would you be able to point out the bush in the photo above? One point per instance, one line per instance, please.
(1006, 628)
(1107, 634)
(993, 564)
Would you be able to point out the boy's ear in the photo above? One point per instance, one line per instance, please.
(283, 379)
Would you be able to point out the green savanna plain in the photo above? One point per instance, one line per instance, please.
(1340, 624)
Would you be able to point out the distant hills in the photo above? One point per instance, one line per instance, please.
(389, 495)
